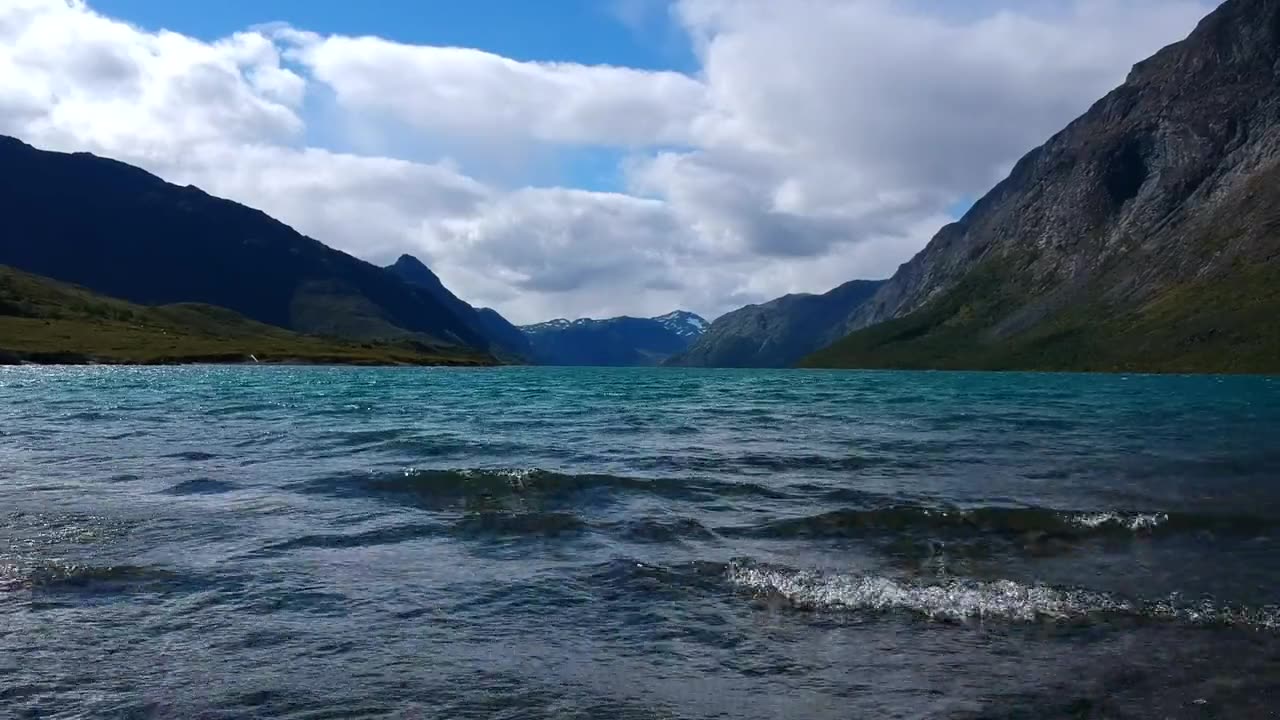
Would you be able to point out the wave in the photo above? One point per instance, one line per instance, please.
(88, 416)
(200, 486)
(191, 456)
(78, 577)
(960, 599)
(548, 524)
(369, 538)
(1033, 524)
(951, 599)
(413, 442)
(499, 523)
(665, 530)
(638, 580)
(60, 529)
(497, 488)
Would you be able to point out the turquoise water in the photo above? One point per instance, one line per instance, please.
(539, 542)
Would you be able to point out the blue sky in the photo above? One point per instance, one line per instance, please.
(632, 33)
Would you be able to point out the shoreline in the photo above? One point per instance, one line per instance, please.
(17, 359)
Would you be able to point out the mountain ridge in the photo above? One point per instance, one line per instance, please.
(1105, 247)
(46, 321)
(777, 333)
(488, 323)
(619, 341)
(120, 231)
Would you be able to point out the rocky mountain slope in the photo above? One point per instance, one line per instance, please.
(622, 341)
(1144, 236)
(45, 321)
(777, 333)
(123, 232)
(505, 338)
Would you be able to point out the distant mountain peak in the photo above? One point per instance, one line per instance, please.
(615, 341)
(407, 259)
(414, 271)
(684, 323)
(557, 324)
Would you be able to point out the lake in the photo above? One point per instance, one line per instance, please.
(636, 543)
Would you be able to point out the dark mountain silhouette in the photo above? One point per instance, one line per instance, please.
(503, 336)
(45, 321)
(123, 232)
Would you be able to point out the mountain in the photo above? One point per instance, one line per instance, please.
(123, 232)
(1144, 236)
(684, 323)
(622, 341)
(780, 332)
(45, 321)
(503, 337)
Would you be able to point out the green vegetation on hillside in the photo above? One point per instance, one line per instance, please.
(1213, 325)
(42, 320)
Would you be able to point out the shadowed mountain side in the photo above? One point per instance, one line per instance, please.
(1144, 236)
(503, 337)
(46, 321)
(123, 232)
(777, 333)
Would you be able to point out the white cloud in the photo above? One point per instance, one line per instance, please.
(821, 140)
(464, 92)
(838, 121)
(72, 78)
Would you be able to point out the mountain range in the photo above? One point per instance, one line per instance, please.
(620, 341)
(125, 239)
(778, 333)
(1145, 236)
(122, 232)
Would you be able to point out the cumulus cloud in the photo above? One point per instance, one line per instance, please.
(819, 140)
(835, 122)
(467, 92)
(72, 78)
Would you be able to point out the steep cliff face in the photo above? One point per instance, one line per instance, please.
(1164, 186)
(777, 333)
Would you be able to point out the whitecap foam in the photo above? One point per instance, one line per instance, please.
(951, 600)
(1206, 612)
(1130, 521)
(959, 599)
(518, 477)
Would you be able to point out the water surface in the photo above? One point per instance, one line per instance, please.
(600, 543)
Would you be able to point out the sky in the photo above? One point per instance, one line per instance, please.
(582, 158)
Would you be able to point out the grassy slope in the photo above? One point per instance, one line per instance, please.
(46, 321)
(1216, 325)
